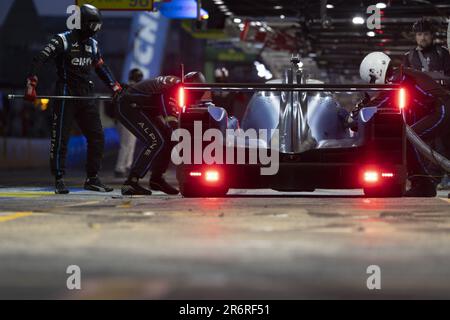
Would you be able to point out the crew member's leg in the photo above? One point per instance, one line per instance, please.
(88, 119)
(161, 163)
(126, 151)
(138, 123)
(62, 118)
(423, 175)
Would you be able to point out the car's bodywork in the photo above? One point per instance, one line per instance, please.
(316, 147)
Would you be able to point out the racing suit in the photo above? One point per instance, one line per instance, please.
(433, 58)
(151, 126)
(427, 113)
(75, 57)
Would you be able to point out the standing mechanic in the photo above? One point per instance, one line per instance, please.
(127, 139)
(75, 53)
(429, 57)
(153, 127)
(428, 115)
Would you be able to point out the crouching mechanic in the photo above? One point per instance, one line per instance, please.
(75, 53)
(428, 114)
(149, 110)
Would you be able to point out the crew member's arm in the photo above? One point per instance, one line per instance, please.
(406, 59)
(167, 84)
(55, 47)
(105, 74)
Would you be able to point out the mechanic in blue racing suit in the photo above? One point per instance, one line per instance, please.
(149, 110)
(428, 114)
(75, 53)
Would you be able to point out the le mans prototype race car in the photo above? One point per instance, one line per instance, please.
(316, 148)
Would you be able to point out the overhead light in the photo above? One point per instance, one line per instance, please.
(278, 7)
(221, 7)
(259, 24)
(282, 16)
(218, 1)
(381, 5)
(241, 26)
(237, 20)
(330, 6)
(228, 13)
(358, 20)
(371, 34)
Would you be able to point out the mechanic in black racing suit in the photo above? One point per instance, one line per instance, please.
(75, 53)
(428, 114)
(149, 110)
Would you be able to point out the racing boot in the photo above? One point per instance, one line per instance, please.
(422, 187)
(131, 187)
(60, 186)
(159, 184)
(94, 184)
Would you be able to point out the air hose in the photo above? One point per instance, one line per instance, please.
(426, 150)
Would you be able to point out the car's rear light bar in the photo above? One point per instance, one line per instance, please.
(195, 174)
(402, 98)
(181, 97)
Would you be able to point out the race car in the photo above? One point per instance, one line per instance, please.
(318, 142)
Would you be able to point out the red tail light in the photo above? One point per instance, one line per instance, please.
(181, 98)
(374, 176)
(402, 98)
(212, 176)
(371, 176)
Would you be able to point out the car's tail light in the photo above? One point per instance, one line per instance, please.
(212, 176)
(402, 98)
(387, 175)
(371, 176)
(195, 174)
(181, 97)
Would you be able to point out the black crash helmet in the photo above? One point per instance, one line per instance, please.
(194, 77)
(91, 20)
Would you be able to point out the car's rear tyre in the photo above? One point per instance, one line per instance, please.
(394, 191)
(190, 191)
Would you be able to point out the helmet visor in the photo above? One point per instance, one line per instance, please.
(95, 26)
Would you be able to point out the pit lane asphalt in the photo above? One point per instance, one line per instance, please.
(257, 244)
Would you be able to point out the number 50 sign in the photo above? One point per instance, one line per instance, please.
(144, 5)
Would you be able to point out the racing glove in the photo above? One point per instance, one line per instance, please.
(116, 88)
(30, 90)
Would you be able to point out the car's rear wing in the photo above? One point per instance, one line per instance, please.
(288, 87)
(279, 87)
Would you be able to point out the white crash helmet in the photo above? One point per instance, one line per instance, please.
(374, 67)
